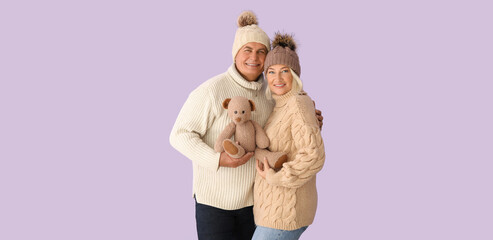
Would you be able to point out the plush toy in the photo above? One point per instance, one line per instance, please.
(249, 135)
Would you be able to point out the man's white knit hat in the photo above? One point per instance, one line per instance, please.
(249, 31)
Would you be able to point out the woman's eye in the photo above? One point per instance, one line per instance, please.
(243, 112)
(236, 112)
(270, 72)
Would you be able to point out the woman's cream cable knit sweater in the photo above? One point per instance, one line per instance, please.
(288, 199)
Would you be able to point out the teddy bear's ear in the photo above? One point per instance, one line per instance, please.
(226, 103)
(252, 104)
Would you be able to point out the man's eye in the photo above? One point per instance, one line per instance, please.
(243, 112)
(270, 72)
(236, 112)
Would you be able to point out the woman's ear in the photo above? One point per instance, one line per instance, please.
(226, 103)
(252, 104)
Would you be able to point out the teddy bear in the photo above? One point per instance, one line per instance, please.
(249, 135)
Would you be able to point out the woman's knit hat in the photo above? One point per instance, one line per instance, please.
(249, 31)
(283, 52)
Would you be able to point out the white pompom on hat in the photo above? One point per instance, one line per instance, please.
(249, 31)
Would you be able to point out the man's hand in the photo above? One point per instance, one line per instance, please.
(319, 116)
(226, 161)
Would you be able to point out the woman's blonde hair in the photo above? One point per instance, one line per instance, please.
(297, 85)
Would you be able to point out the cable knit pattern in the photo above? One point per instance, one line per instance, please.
(288, 199)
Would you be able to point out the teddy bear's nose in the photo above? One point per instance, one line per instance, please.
(238, 119)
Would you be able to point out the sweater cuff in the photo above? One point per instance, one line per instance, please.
(212, 162)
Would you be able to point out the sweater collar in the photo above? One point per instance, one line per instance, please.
(281, 100)
(235, 75)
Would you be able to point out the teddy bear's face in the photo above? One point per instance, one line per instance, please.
(239, 109)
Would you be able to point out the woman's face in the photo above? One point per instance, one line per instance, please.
(280, 79)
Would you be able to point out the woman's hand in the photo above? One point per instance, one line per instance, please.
(262, 170)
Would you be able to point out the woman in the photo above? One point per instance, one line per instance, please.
(285, 201)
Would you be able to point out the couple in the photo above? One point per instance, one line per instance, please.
(284, 202)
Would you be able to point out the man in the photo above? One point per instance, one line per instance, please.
(223, 186)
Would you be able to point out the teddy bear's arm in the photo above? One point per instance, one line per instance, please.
(225, 134)
(261, 138)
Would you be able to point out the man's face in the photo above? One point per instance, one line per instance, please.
(250, 60)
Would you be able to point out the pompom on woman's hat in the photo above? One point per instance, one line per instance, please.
(283, 52)
(249, 31)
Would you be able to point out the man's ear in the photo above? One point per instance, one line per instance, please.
(252, 104)
(226, 103)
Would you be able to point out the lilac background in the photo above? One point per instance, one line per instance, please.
(90, 90)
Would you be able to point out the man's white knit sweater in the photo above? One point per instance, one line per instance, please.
(196, 129)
